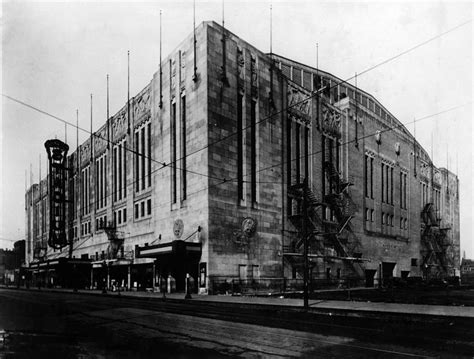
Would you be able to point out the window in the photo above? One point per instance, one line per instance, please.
(367, 214)
(173, 152)
(391, 185)
(414, 262)
(85, 185)
(372, 215)
(120, 170)
(383, 182)
(183, 149)
(240, 149)
(143, 157)
(142, 208)
(101, 182)
(383, 218)
(253, 151)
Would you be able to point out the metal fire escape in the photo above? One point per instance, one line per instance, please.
(326, 239)
(115, 249)
(343, 240)
(435, 243)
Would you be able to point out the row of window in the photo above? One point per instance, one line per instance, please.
(143, 157)
(101, 222)
(387, 182)
(140, 208)
(120, 216)
(85, 228)
(387, 219)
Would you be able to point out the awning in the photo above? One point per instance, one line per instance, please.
(171, 250)
(51, 263)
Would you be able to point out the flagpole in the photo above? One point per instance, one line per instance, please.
(194, 41)
(128, 90)
(108, 124)
(161, 69)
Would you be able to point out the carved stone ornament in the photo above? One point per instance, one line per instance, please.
(331, 120)
(178, 228)
(253, 71)
(142, 104)
(86, 151)
(173, 75)
(378, 137)
(437, 176)
(249, 226)
(100, 140)
(397, 148)
(241, 68)
(119, 124)
(297, 102)
(182, 71)
(425, 169)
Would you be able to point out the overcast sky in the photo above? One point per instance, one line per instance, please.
(54, 55)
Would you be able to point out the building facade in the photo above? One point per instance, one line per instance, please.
(222, 166)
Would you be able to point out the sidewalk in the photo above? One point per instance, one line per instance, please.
(415, 309)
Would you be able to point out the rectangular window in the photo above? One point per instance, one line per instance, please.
(387, 198)
(119, 217)
(405, 190)
(142, 207)
(240, 152)
(401, 189)
(124, 215)
(414, 262)
(253, 150)
(366, 177)
(137, 210)
(148, 206)
(391, 185)
(383, 218)
(149, 154)
(124, 174)
(142, 152)
(115, 172)
(173, 153)
(367, 214)
(372, 215)
(371, 178)
(137, 161)
(383, 182)
(183, 149)
(120, 171)
(298, 152)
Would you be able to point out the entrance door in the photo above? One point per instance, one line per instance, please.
(387, 272)
(369, 277)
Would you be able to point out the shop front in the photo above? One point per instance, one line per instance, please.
(176, 263)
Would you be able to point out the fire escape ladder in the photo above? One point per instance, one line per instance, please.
(115, 248)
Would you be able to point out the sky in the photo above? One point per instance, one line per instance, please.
(56, 54)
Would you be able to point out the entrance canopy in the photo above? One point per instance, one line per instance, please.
(58, 262)
(177, 250)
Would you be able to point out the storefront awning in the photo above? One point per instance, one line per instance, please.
(177, 248)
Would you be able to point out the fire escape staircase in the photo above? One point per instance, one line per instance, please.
(115, 248)
(434, 239)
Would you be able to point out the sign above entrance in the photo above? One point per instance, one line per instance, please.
(178, 228)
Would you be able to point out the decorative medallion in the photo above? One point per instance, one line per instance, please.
(178, 228)
(249, 226)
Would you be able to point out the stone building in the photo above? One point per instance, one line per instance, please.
(221, 166)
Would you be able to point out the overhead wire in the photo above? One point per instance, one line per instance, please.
(224, 180)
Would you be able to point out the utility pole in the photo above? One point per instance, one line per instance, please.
(306, 244)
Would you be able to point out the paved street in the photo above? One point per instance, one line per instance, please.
(67, 325)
